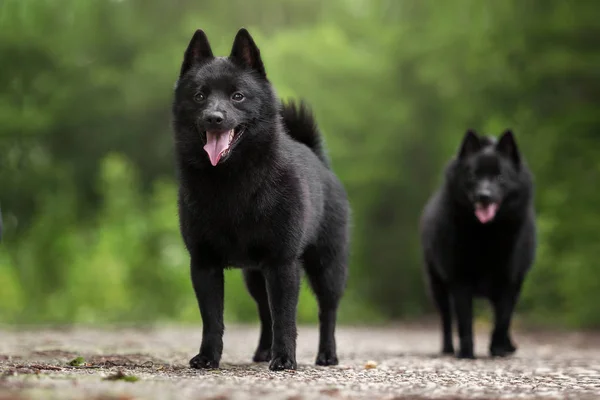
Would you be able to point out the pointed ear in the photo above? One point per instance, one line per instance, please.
(470, 145)
(245, 53)
(507, 145)
(198, 52)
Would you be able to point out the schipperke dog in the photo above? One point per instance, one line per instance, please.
(256, 192)
(478, 236)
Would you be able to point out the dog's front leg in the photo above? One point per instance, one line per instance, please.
(283, 286)
(504, 305)
(208, 285)
(463, 304)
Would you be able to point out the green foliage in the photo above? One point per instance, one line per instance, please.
(86, 173)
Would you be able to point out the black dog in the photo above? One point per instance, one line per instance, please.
(256, 192)
(479, 238)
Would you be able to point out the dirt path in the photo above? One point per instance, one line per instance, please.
(33, 364)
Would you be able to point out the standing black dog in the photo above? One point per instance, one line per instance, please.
(479, 238)
(256, 192)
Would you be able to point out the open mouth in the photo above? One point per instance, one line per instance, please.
(485, 212)
(219, 143)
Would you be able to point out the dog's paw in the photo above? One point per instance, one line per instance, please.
(326, 358)
(448, 351)
(262, 355)
(465, 355)
(502, 347)
(202, 362)
(502, 350)
(281, 363)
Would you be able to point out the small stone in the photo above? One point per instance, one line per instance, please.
(370, 365)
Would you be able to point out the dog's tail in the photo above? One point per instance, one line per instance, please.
(301, 126)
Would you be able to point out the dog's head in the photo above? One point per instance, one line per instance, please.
(222, 101)
(487, 173)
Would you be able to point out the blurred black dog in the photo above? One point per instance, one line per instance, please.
(478, 235)
(256, 192)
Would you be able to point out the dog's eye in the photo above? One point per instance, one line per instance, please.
(199, 97)
(471, 175)
(237, 96)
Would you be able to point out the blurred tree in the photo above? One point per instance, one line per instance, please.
(86, 178)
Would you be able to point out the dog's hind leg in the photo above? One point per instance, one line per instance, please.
(441, 296)
(326, 268)
(255, 282)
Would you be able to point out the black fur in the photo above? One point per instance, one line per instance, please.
(301, 126)
(269, 205)
(464, 257)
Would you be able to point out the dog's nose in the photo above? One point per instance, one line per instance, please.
(214, 118)
(484, 197)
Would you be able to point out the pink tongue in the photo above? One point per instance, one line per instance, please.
(485, 213)
(216, 144)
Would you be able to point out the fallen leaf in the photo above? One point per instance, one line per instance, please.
(333, 392)
(77, 362)
(41, 367)
(120, 376)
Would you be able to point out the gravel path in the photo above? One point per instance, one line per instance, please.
(33, 364)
